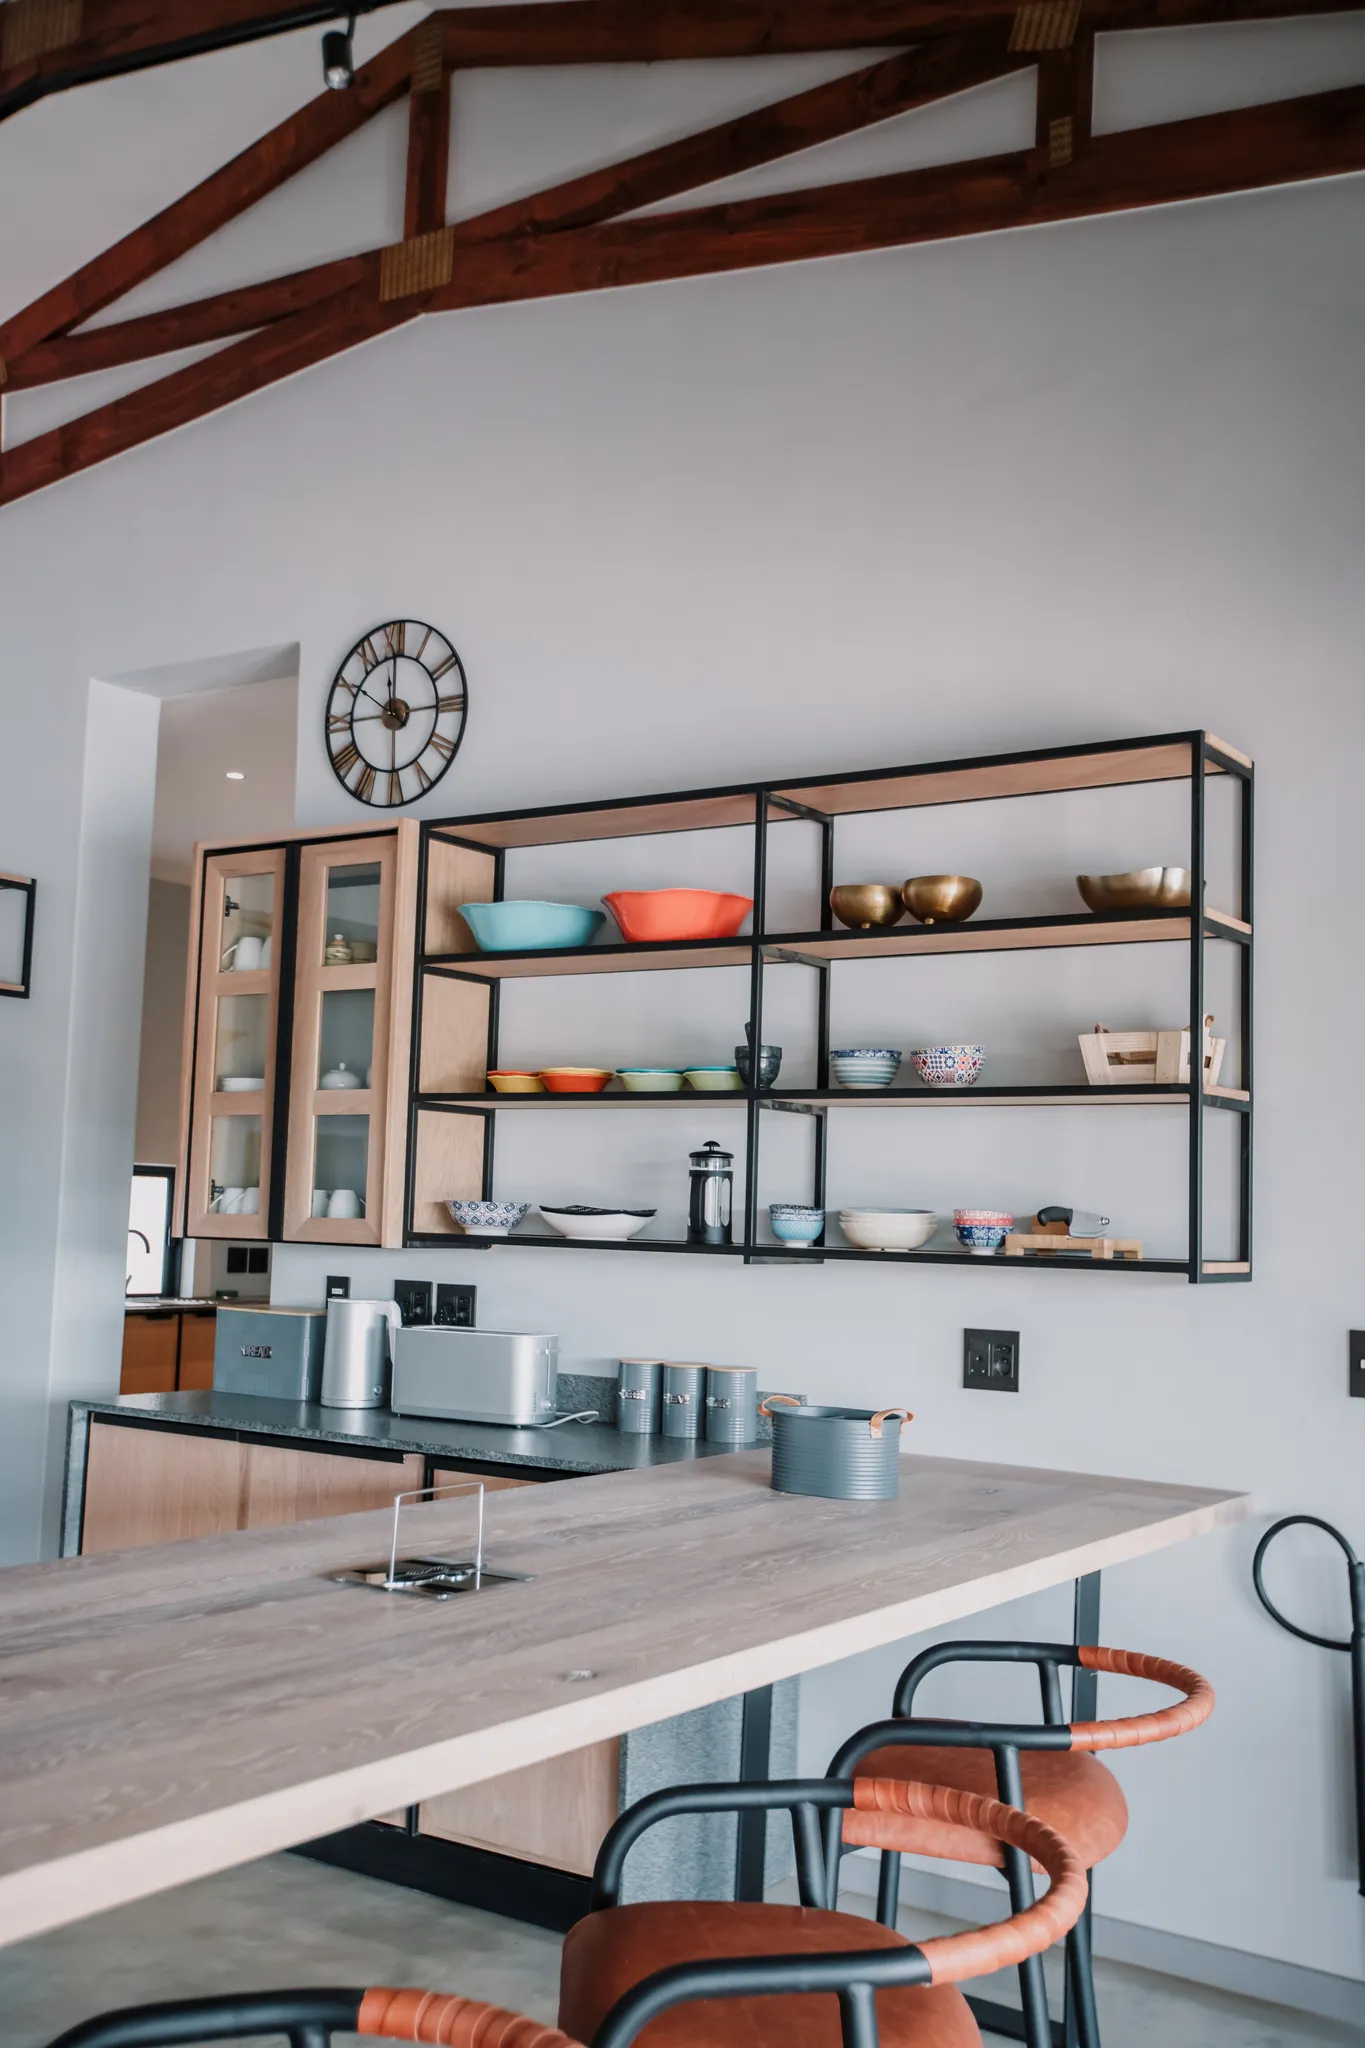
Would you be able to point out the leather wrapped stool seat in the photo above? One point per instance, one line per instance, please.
(607, 1954)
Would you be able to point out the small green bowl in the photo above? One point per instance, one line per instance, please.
(651, 1080)
(715, 1080)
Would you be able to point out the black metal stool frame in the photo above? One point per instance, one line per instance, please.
(1081, 2021)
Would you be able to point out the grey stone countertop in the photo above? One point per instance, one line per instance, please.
(574, 1447)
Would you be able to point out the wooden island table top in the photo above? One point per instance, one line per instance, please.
(172, 1711)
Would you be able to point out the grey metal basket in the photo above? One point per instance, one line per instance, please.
(835, 1453)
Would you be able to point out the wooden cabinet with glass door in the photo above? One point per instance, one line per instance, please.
(231, 1033)
(349, 1067)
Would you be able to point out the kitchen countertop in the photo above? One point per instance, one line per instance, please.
(574, 1447)
(176, 1710)
(147, 1304)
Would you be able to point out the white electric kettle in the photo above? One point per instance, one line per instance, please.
(359, 1349)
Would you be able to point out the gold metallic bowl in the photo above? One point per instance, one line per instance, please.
(1143, 889)
(950, 897)
(863, 906)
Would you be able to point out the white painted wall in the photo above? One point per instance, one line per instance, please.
(1055, 486)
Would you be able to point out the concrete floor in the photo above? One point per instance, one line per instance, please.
(286, 1922)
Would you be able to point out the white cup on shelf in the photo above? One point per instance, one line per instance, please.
(250, 1203)
(229, 1202)
(344, 1204)
(244, 956)
(320, 1200)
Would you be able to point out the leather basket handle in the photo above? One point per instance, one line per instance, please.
(789, 1400)
(884, 1415)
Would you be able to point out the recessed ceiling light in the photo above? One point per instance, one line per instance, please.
(235, 775)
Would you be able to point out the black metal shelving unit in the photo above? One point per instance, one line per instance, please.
(443, 974)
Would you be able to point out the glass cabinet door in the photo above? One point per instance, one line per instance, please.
(339, 1112)
(232, 1094)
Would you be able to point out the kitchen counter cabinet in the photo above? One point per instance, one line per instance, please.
(159, 1486)
(151, 1350)
(554, 1813)
(198, 1329)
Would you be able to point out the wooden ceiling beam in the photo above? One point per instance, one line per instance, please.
(875, 93)
(1318, 136)
(424, 204)
(51, 45)
(234, 372)
(260, 168)
(216, 318)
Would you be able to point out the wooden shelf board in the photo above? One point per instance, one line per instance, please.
(579, 1244)
(1227, 1266)
(898, 789)
(1044, 1096)
(990, 935)
(342, 1101)
(695, 1097)
(1160, 759)
(1042, 1262)
(618, 959)
(237, 1102)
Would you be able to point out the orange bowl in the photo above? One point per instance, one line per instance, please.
(576, 1080)
(650, 915)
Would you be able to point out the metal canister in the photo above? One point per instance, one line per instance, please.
(639, 1396)
(835, 1453)
(732, 1404)
(684, 1402)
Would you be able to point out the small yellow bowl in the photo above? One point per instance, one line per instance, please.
(508, 1081)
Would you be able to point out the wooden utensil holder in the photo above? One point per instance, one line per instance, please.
(1116, 1059)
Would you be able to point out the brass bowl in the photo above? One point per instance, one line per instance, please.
(931, 897)
(1143, 889)
(863, 906)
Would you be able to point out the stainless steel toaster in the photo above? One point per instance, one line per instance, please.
(475, 1375)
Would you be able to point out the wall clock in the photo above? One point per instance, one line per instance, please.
(396, 713)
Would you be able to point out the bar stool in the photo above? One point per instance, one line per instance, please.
(1049, 1771)
(691, 1974)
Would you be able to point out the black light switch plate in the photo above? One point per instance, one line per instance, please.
(414, 1302)
(338, 1287)
(990, 1360)
(455, 1305)
(1355, 1385)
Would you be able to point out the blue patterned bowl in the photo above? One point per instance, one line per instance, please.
(794, 1224)
(982, 1231)
(487, 1219)
(949, 1066)
(864, 1066)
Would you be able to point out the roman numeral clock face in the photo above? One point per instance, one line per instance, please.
(396, 713)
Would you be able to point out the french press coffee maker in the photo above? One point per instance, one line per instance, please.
(712, 1183)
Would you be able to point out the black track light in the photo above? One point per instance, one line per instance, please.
(338, 65)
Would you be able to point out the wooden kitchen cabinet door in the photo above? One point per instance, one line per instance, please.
(150, 1347)
(554, 1812)
(197, 1335)
(157, 1486)
(297, 1486)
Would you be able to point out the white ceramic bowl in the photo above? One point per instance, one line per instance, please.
(611, 1225)
(241, 1084)
(888, 1230)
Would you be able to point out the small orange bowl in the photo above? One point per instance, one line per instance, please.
(648, 916)
(576, 1080)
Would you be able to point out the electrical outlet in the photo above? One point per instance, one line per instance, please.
(455, 1306)
(338, 1287)
(1356, 1382)
(237, 1259)
(990, 1360)
(414, 1302)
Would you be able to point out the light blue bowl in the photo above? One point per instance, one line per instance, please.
(864, 1066)
(794, 1224)
(528, 927)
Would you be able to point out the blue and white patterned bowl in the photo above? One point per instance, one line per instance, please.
(949, 1066)
(864, 1066)
(982, 1231)
(795, 1224)
(487, 1219)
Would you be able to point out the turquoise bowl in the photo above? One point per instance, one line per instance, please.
(529, 927)
(795, 1224)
